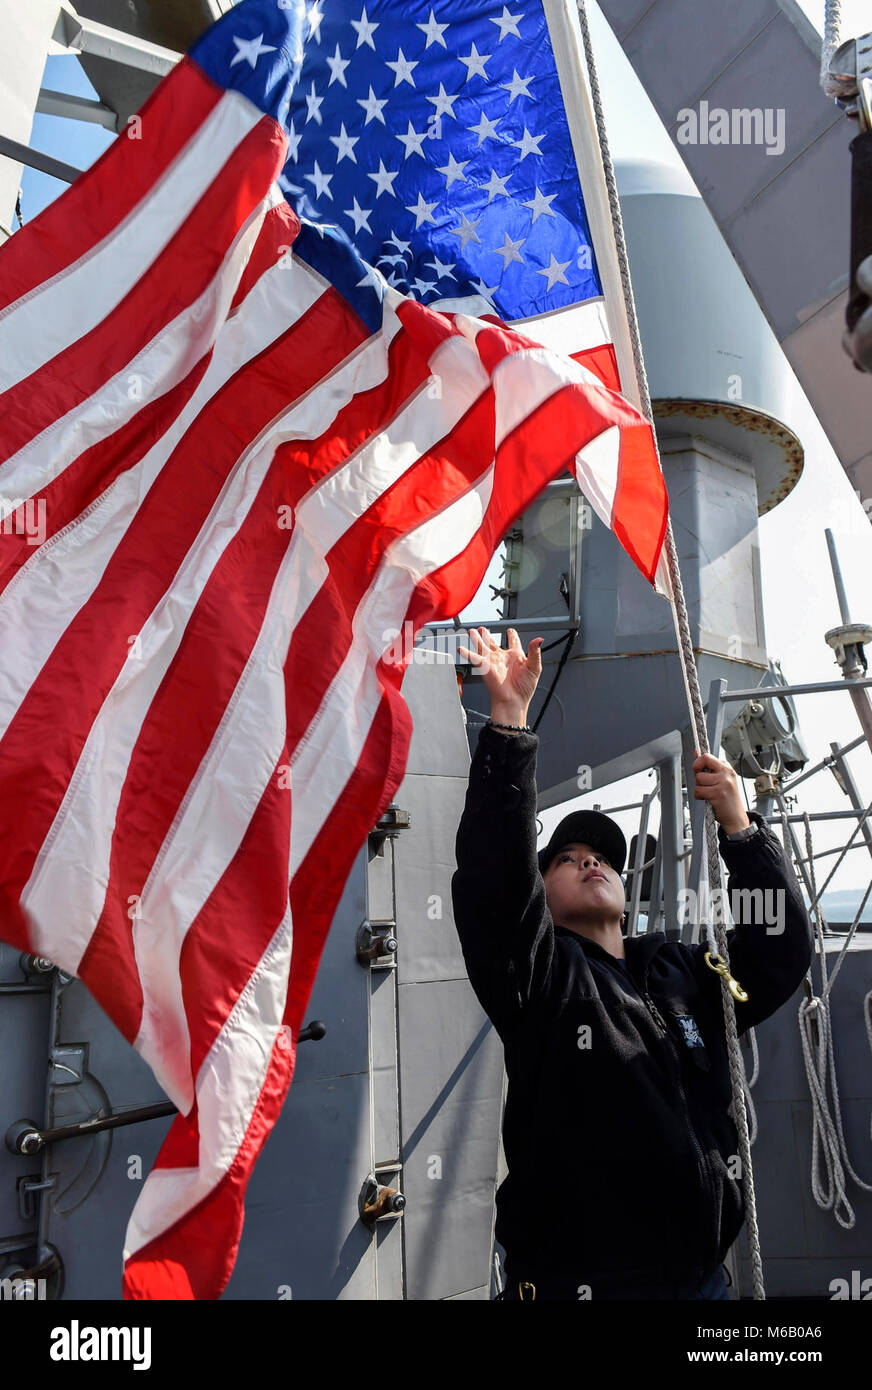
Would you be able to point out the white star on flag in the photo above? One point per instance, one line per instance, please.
(250, 50)
(293, 141)
(507, 23)
(314, 16)
(453, 170)
(337, 65)
(384, 179)
(528, 144)
(433, 31)
(486, 129)
(496, 186)
(365, 31)
(412, 141)
(321, 181)
(314, 104)
(403, 69)
(540, 204)
(423, 211)
(345, 144)
(443, 103)
(486, 291)
(554, 272)
(443, 268)
(404, 247)
(359, 216)
(509, 251)
(373, 106)
(466, 230)
(518, 87)
(374, 279)
(475, 62)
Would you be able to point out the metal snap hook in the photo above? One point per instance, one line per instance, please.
(732, 983)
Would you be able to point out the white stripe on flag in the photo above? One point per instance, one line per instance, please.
(523, 382)
(576, 329)
(527, 379)
(326, 758)
(60, 576)
(596, 471)
(69, 306)
(347, 493)
(76, 870)
(160, 366)
(228, 1087)
(227, 1093)
(230, 781)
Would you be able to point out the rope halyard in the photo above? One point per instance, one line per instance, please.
(718, 936)
(829, 44)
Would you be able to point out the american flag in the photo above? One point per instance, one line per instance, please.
(260, 409)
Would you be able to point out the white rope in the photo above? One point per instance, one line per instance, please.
(828, 1146)
(750, 1081)
(829, 44)
(691, 685)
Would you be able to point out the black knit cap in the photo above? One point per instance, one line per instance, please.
(592, 828)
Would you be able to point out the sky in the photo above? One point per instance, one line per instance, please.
(799, 597)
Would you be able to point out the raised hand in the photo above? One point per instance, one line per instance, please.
(510, 677)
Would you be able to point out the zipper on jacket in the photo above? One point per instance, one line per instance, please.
(664, 1031)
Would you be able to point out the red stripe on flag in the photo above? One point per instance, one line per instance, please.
(107, 192)
(367, 793)
(641, 509)
(194, 1258)
(138, 574)
(174, 738)
(321, 640)
(89, 476)
(176, 734)
(277, 235)
(235, 926)
(450, 468)
(602, 362)
(174, 281)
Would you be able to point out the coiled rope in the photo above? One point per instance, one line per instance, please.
(815, 1030)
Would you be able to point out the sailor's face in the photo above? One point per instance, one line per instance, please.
(581, 883)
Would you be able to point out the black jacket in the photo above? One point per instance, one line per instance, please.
(616, 1131)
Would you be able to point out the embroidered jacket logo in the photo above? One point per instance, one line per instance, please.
(691, 1033)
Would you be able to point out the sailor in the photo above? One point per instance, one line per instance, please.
(624, 1176)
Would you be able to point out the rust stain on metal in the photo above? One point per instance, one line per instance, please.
(756, 422)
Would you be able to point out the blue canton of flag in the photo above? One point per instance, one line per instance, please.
(431, 144)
